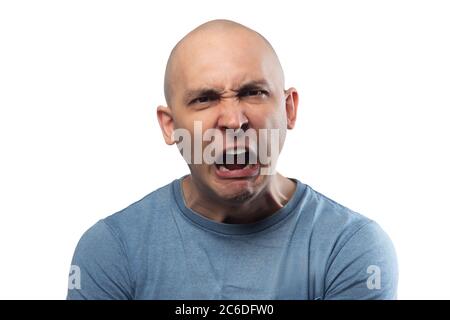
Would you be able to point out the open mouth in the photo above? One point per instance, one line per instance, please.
(237, 162)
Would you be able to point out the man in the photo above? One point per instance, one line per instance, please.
(234, 228)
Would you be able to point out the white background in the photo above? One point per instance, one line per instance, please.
(80, 82)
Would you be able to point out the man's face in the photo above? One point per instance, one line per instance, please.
(230, 82)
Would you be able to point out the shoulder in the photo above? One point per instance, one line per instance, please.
(336, 223)
(142, 214)
(350, 246)
(364, 266)
(106, 250)
(132, 226)
(328, 219)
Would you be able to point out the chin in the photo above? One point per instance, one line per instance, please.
(237, 197)
(235, 191)
(241, 197)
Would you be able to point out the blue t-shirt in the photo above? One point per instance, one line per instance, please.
(157, 248)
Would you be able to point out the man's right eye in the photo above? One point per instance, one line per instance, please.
(202, 100)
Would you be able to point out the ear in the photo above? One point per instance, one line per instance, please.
(165, 120)
(291, 103)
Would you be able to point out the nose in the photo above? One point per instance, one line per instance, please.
(232, 116)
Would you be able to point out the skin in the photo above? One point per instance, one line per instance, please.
(223, 55)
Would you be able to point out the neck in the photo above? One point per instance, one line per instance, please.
(267, 201)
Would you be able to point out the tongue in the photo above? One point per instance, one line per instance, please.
(234, 166)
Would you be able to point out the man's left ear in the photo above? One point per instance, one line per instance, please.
(291, 103)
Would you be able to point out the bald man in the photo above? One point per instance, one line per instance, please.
(234, 228)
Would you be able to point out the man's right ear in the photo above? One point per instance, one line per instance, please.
(165, 120)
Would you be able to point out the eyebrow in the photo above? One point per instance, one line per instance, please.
(211, 91)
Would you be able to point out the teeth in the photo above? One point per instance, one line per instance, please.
(222, 168)
(235, 151)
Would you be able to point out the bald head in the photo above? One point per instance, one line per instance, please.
(213, 37)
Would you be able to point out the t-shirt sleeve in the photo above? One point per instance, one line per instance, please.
(99, 269)
(364, 268)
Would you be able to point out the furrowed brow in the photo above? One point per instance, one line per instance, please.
(252, 85)
(195, 93)
(207, 91)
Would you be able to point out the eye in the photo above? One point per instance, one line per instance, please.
(203, 99)
(253, 93)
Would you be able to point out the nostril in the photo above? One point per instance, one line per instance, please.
(245, 127)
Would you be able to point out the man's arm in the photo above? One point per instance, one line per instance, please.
(365, 267)
(100, 267)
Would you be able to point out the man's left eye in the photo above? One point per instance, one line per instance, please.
(253, 93)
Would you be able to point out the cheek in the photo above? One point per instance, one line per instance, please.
(269, 115)
(272, 119)
(190, 120)
(267, 119)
